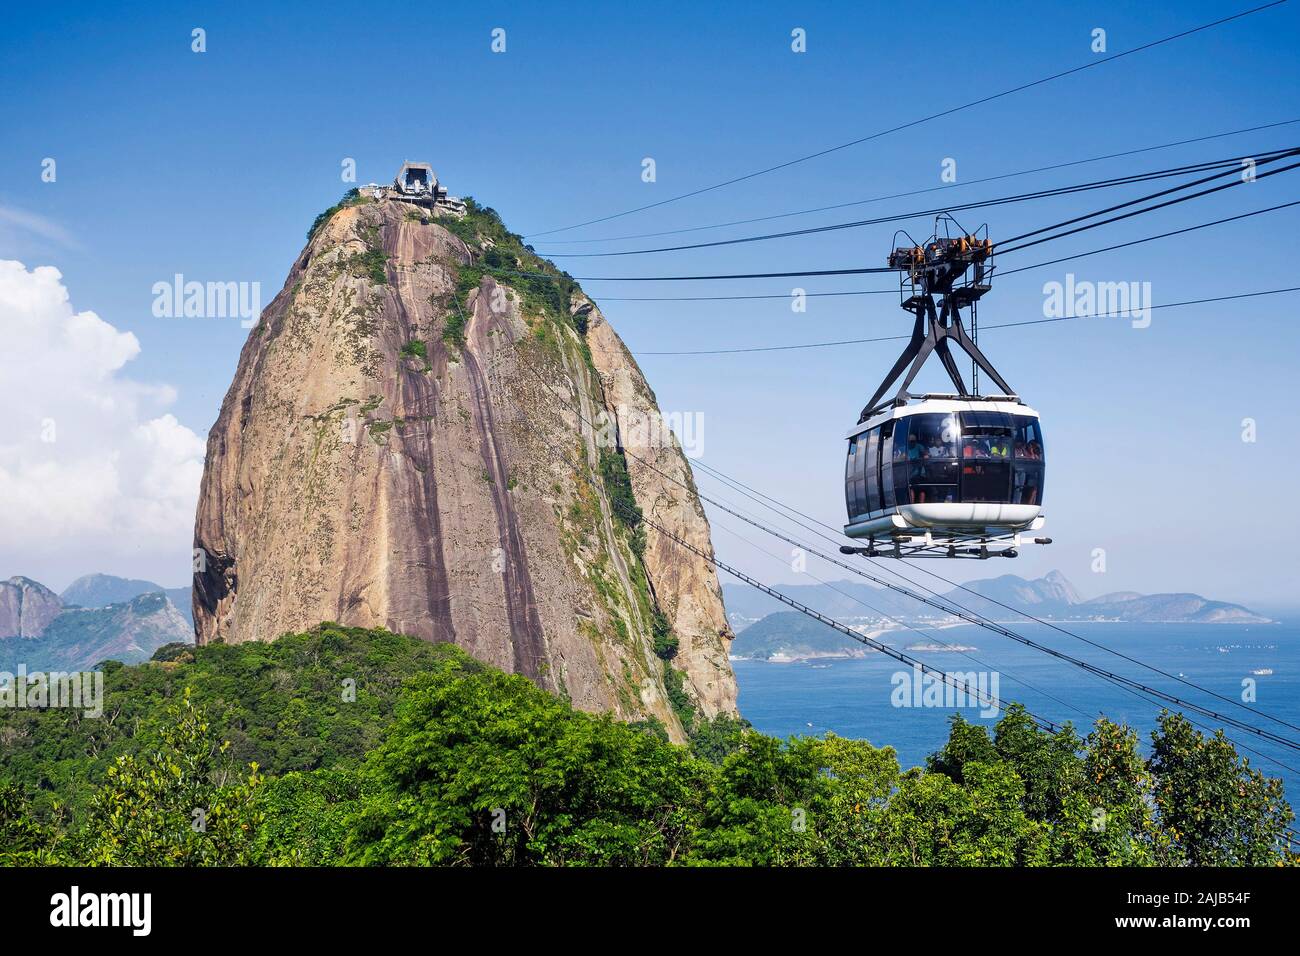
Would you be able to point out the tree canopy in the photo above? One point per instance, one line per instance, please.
(351, 747)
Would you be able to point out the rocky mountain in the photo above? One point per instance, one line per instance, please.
(1051, 596)
(1052, 591)
(26, 608)
(39, 632)
(427, 432)
(79, 638)
(100, 590)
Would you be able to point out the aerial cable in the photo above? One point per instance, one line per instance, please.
(917, 122)
(1131, 692)
(1162, 235)
(1232, 164)
(842, 628)
(737, 298)
(1004, 325)
(1135, 694)
(927, 189)
(746, 275)
(971, 618)
(1239, 180)
(1110, 650)
(885, 269)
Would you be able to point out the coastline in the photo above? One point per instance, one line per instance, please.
(922, 648)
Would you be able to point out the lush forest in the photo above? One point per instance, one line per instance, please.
(343, 746)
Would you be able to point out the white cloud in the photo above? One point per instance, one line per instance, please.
(120, 475)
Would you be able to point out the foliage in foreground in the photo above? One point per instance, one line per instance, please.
(476, 767)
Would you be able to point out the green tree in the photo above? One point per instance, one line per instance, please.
(305, 817)
(1216, 809)
(1117, 827)
(26, 840)
(932, 821)
(863, 779)
(761, 810)
(484, 768)
(176, 805)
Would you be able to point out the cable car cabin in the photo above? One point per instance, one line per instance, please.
(952, 467)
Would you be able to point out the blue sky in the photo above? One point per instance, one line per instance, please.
(213, 165)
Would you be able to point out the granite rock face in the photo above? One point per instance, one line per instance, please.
(26, 607)
(397, 452)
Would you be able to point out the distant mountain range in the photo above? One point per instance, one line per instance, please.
(99, 617)
(101, 590)
(868, 606)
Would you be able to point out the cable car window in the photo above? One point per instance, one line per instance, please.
(1028, 439)
(848, 478)
(983, 419)
(858, 505)
(986, 435)
(871, 472)
(1027, 484)
(886, 466)
(932, 436)
(932, 482)
(985, 481)
(901, 470)
(900, 439)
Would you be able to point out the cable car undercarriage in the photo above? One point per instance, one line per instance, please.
(944, 475)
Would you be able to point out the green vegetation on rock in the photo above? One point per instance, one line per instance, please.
(453, 330)
(544, 288)
(618, 485)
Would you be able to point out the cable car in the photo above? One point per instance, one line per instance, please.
(944, 475)
(963, 471)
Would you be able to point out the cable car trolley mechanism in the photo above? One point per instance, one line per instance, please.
(944, 475)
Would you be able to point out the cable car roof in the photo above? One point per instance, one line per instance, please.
(933, 402)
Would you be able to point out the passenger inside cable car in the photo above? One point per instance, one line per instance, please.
(966, 456)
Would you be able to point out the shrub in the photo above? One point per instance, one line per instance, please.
(618, 485)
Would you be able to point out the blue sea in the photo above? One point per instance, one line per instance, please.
(852, 697)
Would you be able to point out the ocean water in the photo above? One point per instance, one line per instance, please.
(852, 697)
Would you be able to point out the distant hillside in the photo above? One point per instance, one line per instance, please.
(101, 590)
(791, 634)
(80, 638)
(1052, 591)
(860, 601)
(1051, 597)
(1169, 607)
